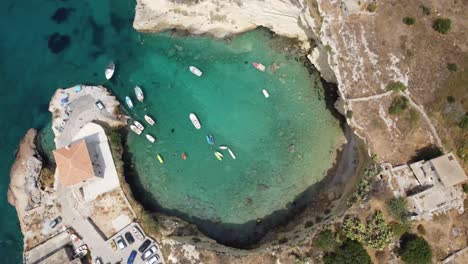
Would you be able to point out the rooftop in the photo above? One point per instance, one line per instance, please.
(74, 163)
(449, 170)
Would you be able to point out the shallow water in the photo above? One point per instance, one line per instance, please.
(268, 172)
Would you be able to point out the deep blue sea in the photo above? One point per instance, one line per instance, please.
(284, 144)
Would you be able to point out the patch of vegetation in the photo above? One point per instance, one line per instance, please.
(371, 7)
(328, 48)
(453, 67)
(415, 250)
(398, 207)
(398, 105)
(396, 86)
(413, 117)
(426, 10)
(409, 21)
(450, 99)
(349, 114)
(400, 228)
(325, 240)
(113, 136)
(364, 186)
(442, 25)
(46, 178)
(465, 187)
(463, 124)
(349, 252)
(376, 234)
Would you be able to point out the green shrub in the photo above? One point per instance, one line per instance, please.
(399, 208)
(396, 86)
(415, 250)
(452, 67)
(325, 240)
(349, 252)
(371, 7)
(426, 10)
(376, 234)
(464, 122)
(349, 114)
(399, 228)
(450, 99)
(465, 187)
(398, 105)
(409, 21)
(442, 25)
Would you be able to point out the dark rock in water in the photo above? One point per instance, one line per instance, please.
(172, 130)
(58, 42)
(292, 148)
(61, 14)
(262, 187)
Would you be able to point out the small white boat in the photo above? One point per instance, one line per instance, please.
(149, 120)
(231, 153)
(195, 121)
(195, 71)
(109, 70)
(129, 102)
(139, 94)
(135, 129)
(259, 66)
(223, 147)
(265, 93)
(138, 125)
(150, 138)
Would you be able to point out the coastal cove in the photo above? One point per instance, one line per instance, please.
(284, 144)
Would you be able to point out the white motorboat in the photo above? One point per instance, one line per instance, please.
(195, 121)
(195, 71)
(135, 129)
(223, 147)
(265, 93)
(231, 153)
(139, 94)
(138, 125)
(150, 138)
(129, 102)
(259, 66)
(109, 70)
(149, 120)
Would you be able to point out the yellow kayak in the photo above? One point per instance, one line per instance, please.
(160, 159)
(218, 155)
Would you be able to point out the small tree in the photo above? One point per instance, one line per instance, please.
(464, 122)
(351, 252)
(398, 105)
(409, 21)
(453, 67)
(415, 250)
(465, 187)
(442, 25)
(396, 86)
(399, 208)
(349, 114)
(426, 10)
(371, 7)
(325, 240)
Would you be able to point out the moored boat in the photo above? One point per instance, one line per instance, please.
(218, 155)
(129, 102)
(195, 71)
(149, 120)
(223, 147)
(195, 121)
(139, 125)
(259, 66)
(135, 129)
(210, 139)
(150, 138)
(265, 93)
(110, 68)
(139, 94)
(160, 159)
(231, 153)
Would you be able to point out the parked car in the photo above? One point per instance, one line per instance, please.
(153, 259)
(137, 233)
(129, 238)
(100, 105)
(144, 246)
(149, 252)
(81, 248)
(55, 222)
(120, 242)
(132, 257)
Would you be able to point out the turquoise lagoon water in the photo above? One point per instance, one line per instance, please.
(283, 144)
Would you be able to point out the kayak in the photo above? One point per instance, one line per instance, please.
(110, 68)
(218, 155)
(195, 71)
(129, 102)
(139, 125)
(210, 139)
(135, 129)
(195, 121)
(223, 147)
(232, 154)
(149, 120)
(259, 66)
(139, 94)
(160, 159)
(150, 138)
(265, 93)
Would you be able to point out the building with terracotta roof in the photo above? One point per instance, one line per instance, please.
(74, 164)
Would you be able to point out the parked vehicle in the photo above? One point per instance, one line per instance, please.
(132, 257)
(148, 253)
(120, 242)
(145, 245)
(137, 233)
(100, 105)
(55, 222)
(129, 238)
(153, 259)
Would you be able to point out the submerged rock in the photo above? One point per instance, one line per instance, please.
(58, 42)
(61, 14)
